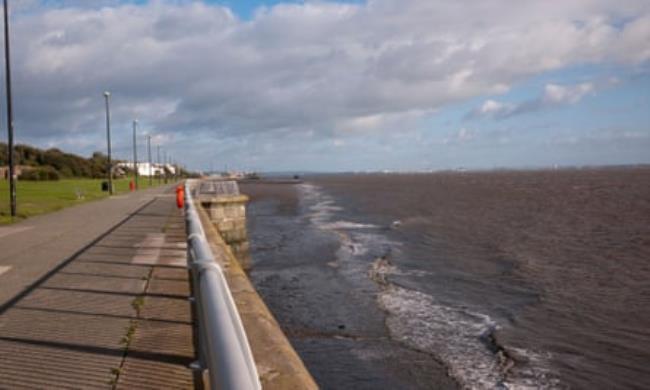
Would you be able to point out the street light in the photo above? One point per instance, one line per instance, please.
(107, 96)
(165, 164)
(170, 162)
(150, 167)
(135, 153)
(159, 175)
(10, 118)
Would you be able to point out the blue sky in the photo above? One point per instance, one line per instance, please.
(245, 9)
(338, 86)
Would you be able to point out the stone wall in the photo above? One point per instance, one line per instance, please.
(228, 214)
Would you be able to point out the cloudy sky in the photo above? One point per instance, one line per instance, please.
(339, 85)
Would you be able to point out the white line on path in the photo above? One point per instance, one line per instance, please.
(153, 250)
(4, 268)
(7, 230)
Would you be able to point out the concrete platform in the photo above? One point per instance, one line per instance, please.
(114, 315)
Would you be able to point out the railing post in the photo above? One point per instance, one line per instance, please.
(200, 365)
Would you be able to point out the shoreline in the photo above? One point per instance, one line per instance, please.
(500, 253)
(349, 344)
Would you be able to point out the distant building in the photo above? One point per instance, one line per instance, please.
(18, 170)
(146, 169)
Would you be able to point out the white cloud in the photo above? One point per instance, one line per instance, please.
(462, 136)
(379, 123)
(188, 67)
(552, 96)
(493, 108)
(465, 135)
(560, 94)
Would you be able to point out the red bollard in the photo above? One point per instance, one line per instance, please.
(180, 196)
(131, 186)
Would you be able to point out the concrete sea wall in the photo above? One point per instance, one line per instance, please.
(278, 364)
(228, 214)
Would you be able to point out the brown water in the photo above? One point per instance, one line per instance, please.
(506, 279)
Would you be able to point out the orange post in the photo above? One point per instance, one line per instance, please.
(180, 196)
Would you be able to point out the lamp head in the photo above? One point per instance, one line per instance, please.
(107, 94)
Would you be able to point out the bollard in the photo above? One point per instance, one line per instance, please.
(180, 196)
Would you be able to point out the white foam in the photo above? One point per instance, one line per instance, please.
(381, 267)
(309, 191)
(323, 208)
(346, 225)
(537, 371)
(454, 335)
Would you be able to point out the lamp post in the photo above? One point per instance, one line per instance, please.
(107, 96)
(150, 167)
(10, 118)
(135, 153)
(158, 154)
(171, 167)
(165, 165)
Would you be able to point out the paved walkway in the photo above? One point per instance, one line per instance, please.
(32, 248)
(113, 313)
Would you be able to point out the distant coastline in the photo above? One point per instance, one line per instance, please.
(282, 175)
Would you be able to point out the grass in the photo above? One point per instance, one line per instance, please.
(40, 197)
(130, 331)
(137, 304)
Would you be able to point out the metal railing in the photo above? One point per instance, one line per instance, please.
(223, 346)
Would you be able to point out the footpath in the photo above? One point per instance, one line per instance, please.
(96, 296)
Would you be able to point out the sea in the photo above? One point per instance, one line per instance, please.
(533, 279)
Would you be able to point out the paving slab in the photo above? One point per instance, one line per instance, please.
(101, 319)
(33, 247)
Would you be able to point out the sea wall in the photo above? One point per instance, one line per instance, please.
(228, 214)
(278, 364)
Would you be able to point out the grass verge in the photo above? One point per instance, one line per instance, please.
(40, 197)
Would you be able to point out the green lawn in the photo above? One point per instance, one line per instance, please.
(39, 197)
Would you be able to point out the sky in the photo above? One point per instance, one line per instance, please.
(407, 85)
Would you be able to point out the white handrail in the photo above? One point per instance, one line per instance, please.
(225, 351)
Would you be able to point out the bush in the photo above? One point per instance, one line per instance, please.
(40, 174)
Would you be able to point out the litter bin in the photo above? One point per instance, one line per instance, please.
(105, 186)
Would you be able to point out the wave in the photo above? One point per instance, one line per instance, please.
(347, 225)
(323, 206)
(462, 338)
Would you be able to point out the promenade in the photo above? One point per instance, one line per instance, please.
(95, 296)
